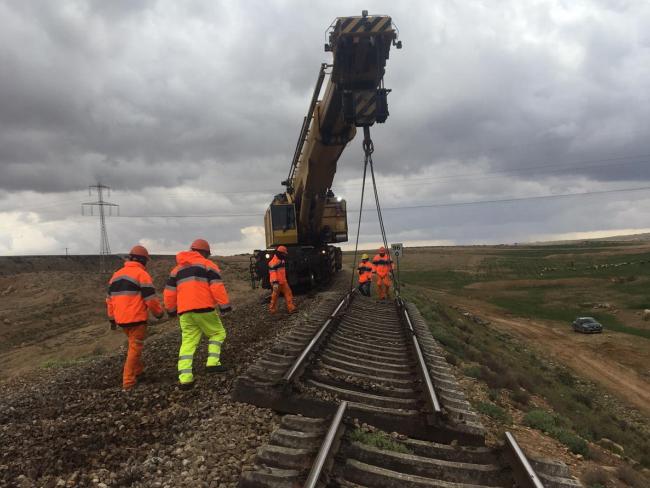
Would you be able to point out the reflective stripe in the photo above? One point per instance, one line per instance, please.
(118, 293)
(214, 355)
(186, 356)
(218, 343)
(124, 277)
(197, 265)
(139, 341)
(185, 371)
(146, 285)
(216, 280)
(192, 278)
(152, 297)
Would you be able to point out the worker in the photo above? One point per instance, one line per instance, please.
(194, 291)
(365, 275)
(278, 279)
(382, 266)
(131, 296)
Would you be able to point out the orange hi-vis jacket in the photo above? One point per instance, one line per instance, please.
(365, 271)
(195, 285)
(382, 265)
(131, 296)
(277, 270)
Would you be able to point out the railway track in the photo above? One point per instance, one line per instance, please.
(359, 362)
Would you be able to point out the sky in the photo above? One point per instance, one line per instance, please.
(500, 113)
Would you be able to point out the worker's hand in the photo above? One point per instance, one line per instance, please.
(224, 311)
(171, 315)
(113, 324)
(275, 287)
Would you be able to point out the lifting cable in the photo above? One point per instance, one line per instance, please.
(368, 149)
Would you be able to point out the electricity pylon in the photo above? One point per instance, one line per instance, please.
(101, 204)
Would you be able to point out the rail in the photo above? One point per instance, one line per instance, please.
(431, 396)
(523, 472)
(299, 362)
(326, 447)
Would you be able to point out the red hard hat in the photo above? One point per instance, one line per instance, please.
(200, 245)
(139, 251)
(382, 249)
(282, 249)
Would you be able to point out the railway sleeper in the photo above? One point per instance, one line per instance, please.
(452, 471)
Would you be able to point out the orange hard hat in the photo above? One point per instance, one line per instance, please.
(382, 249)
(139, 251)
(282, 249)
(200, 245)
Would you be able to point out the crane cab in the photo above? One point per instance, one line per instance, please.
(280, 224)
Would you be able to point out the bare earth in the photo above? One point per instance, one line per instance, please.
(52, 309)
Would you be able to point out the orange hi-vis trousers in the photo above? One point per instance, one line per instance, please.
(283, 289)
(133, 366)
(383, 285)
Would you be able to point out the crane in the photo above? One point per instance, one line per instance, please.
(307, 217)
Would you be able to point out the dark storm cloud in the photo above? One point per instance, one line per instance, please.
(171, 101)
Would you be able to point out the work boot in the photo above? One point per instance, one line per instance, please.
(186, 386)
(219, 368)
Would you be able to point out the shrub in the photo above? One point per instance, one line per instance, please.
(451, 359)
(493, 411)
(520, 396)
(555, 426)
(472, 371)
(631, 477)
(566, 378)
(595, 478)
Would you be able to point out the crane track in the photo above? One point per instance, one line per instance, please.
(380, 361)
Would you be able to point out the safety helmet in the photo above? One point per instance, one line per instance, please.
(282, 249)
(364, 256)
(200, 245)
(139, 251)
(382, 250)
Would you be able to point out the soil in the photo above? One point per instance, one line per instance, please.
(52, 309)
(74, 426)
(619, 362)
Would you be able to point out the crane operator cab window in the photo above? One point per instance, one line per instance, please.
(281, 221)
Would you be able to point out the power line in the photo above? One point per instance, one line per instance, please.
(101, 204)
(409, 207)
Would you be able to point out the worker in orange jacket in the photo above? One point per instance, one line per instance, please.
(365, 275)
(382, 266)
(278, 279)
(194, 291)
(131, 296)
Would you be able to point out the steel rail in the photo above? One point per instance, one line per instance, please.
(326, 447)
(531, 479)
(431, 395)
(289, 375)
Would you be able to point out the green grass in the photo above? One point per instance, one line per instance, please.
(502, 362)
(62, 363)
(378, 439)
(556, 427)
(531, 302)
(493, 411)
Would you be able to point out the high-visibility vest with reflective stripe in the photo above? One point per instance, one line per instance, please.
(382, 265)
(195, 285)
(277, 270)
(131, 295)
(365, 271)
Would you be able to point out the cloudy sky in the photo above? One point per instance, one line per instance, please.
(190, 111)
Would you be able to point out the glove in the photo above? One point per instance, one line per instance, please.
(275, 287)
(224, 311)
(113, 324)
(171, 314)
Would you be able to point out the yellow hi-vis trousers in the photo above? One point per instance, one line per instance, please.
(193, 326)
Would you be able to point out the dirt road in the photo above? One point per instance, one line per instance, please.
(619, 362)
